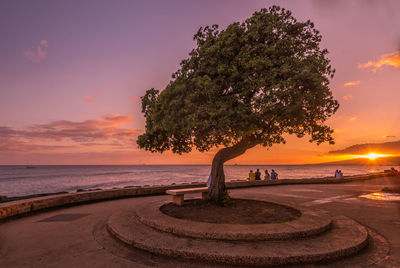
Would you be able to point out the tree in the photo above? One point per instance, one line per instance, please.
(249, 84)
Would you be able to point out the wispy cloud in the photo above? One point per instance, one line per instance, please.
(92, 97)
(28, 146)
(39, 54)
(67, 134)
(386, 147)
(352, 119)
(385, 60)
(135, 98)
(347, 97)
(389, 136)
(353, 83)
(118, 119)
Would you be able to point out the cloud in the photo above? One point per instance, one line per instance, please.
(385, 60)
(91, 144)
(360, 149)
(353, 83)
(347, 97)
(40, 53)
(28, 146)
(389, 136)
(135, 98)
(67, 134)
(92, 97)
(352, 119)
(117, 119)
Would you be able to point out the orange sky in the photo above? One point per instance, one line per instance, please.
(73, 75)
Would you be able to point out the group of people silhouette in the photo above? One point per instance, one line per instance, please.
(255, 176)
(338, 174)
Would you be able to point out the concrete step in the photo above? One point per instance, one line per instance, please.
(310, 223)
(345, 238)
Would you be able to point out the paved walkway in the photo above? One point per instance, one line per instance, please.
(69, 237)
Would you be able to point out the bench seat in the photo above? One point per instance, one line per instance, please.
(178, 194)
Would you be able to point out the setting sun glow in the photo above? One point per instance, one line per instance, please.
(372, 156)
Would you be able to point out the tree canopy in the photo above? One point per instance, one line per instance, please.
(261, 78)
(249, 84)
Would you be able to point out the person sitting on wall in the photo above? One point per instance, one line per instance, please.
(266, 176)
(337, 175)
(252, 176)
(274, 175)
(258, 175)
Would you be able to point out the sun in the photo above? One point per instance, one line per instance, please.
(372, 156)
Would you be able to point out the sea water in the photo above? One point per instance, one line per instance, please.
(23, 180)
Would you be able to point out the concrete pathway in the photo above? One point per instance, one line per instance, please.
(69, 237)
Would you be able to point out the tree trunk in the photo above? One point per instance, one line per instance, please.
(217, 186)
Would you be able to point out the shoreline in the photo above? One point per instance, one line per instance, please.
(5, 199)
(27, 206)
(21, 183)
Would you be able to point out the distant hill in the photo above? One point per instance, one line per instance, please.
(379, 161)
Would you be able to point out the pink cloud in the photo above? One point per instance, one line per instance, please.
(353, 83)
(347, 97)
(118, 119)
(385, 60)
(92, 97)
(55, 135)
(28, 146)
(39, 54)
(135, 98)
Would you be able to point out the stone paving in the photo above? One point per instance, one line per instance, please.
(77, 236)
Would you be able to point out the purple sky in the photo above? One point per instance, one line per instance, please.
(76, 64)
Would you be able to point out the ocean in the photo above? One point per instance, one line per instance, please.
(23, 180)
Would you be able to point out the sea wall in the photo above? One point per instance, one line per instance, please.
(26, 206)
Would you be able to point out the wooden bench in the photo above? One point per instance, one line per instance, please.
(178, 194)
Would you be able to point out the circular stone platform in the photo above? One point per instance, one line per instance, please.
(312, 238)
(373, 255)
(308, 224)
(345, 238)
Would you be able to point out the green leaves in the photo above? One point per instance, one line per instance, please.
(261, 78)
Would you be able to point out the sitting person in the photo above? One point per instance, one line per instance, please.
(274, 175)
(258, 175)
(266, 176)
(337, 175)
(252, 176)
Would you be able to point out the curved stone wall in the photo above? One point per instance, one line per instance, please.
(21, 207)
